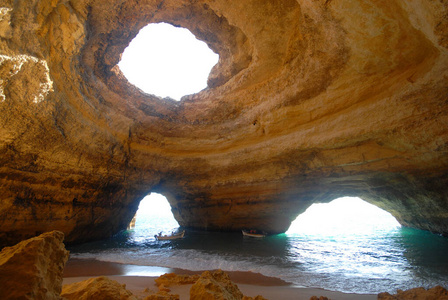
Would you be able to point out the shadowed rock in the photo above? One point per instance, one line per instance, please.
(437, 292)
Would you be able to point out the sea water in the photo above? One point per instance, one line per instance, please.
(356, 259)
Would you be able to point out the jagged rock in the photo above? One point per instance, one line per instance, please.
(98, 288)
(170, 279)
(310, 101)
(163, 288)
(215, 285)
(435, 293)
(33, 268)
(209, 285)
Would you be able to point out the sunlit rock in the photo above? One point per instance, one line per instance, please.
(215, 285)
(310, 101)
(97, 288)
(33, 268)
(170, 279)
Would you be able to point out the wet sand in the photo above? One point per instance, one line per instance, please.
(141, 278)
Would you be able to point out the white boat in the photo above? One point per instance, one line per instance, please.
(253, 233)
(172, 236)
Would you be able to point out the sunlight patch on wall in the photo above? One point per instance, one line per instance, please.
(5, 22)
(167, 61)
(11, 66)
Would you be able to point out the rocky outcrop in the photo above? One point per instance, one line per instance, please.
(437, 292)
(310, 101)
(170, 279)
(99, 288)
(33, 268)
(215, 285)
(209, 285)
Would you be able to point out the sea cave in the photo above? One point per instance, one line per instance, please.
(309, 101)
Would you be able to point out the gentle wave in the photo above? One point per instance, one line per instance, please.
(366, 273)
(359, 261)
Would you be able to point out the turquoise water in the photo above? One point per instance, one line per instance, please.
(357, 259)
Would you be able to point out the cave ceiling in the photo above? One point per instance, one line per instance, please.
(310, 101)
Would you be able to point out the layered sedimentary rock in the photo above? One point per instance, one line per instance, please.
(310, 101)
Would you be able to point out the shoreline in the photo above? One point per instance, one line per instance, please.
(140, 278)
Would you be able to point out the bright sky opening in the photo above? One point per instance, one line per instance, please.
(167, 61)
(154, 205)
(347, 215)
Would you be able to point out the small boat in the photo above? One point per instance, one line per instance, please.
(172, 236)
(253, 233)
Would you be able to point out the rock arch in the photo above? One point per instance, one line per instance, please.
(311, 100)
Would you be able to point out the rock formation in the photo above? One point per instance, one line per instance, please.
(437, 292)
(209, 285)
(33, 268)
(215, 285)
(170, 279)
(310, 101)
(99, 288)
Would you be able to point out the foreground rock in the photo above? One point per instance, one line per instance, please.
(435, 293)
(170, 279)
(99, 288)
(208, 286)
(33, 268)
(216, 285)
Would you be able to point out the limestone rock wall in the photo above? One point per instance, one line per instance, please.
(311, 100)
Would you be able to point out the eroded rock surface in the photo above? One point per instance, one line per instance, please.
(170, 279)
(437, 292)
(33, 268)
(310, 101)
(215, 285)
(99, 288)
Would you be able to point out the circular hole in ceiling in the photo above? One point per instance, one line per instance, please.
(167, 61)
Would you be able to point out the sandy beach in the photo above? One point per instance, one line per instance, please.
(140, 281)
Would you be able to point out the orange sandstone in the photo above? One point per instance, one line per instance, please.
(310, 101)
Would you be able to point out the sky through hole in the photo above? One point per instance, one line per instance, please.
(346, 215)
(167, 61)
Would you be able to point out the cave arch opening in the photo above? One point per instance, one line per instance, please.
(167, 61)
(153, 215)
(343, 216)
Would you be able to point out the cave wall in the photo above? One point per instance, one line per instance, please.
(310, 101)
